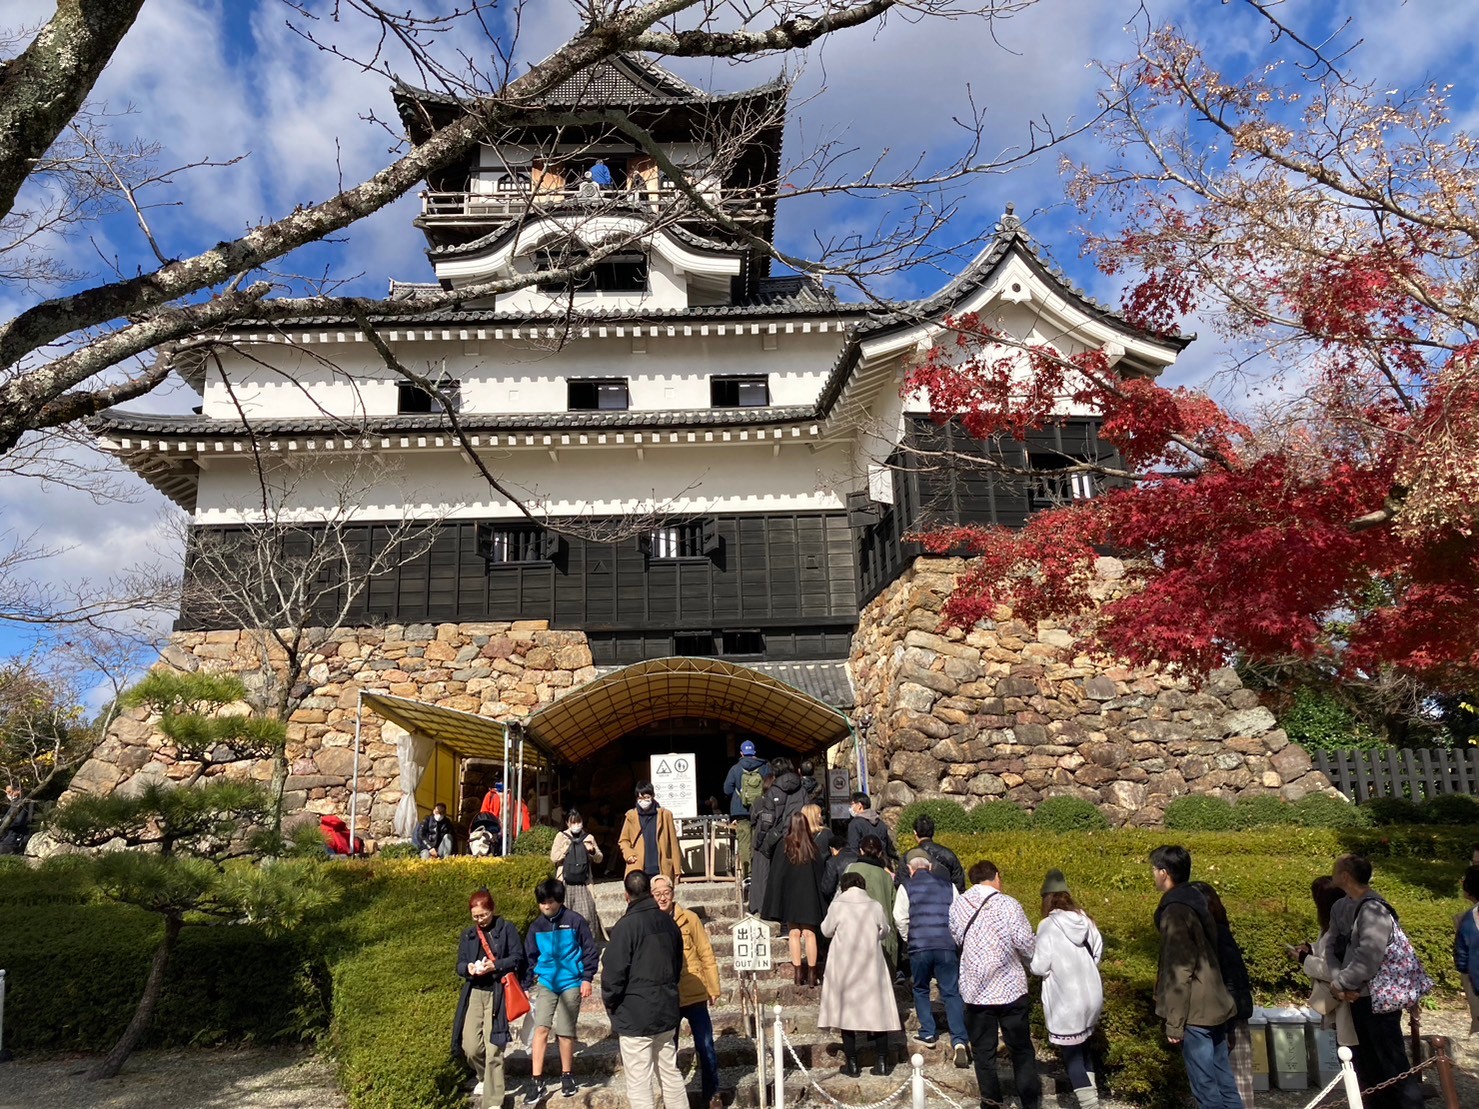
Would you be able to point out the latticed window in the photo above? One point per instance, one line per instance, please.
(500, 544)
(694, 539)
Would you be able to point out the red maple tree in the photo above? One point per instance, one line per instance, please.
(1331, 232)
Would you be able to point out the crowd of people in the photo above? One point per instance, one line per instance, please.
(851, 907)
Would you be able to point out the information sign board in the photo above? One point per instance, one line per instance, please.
(839, 790)
(751, 944)
(675, 783)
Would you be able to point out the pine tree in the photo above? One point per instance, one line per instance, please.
(197, 853)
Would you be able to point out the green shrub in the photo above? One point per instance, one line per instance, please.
(1320, 810)
(1449, 808)
(1392, 810)
(536, 841)
(949, 816)
(1199, 812)
(1265, 811)
(404, 850)
(999, 816)
(1263, 877)
(1318, 721)
(1068, 814)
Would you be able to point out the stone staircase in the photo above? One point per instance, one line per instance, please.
(597, 1059)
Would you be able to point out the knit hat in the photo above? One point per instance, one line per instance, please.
(1054, 883)
(747, 749)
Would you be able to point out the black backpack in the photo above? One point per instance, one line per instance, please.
(577, 862)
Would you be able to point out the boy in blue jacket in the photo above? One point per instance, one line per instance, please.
(562, 957)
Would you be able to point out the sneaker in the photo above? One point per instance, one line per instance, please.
(477, 1091)
(928, 1041)
(567, 1085)
(537, 1091)
(962, 1057)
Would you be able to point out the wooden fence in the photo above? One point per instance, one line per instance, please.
(1389, 772)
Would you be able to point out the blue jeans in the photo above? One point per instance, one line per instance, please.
(702, 1027)
(1204, 1050)
(944, 968)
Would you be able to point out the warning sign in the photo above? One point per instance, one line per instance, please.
(675, 783)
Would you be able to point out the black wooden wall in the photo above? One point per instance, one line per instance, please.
(935, 483)
(789, 579)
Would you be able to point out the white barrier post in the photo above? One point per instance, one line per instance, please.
(916, 1081)
(3, 1057)
(1352, 1083)
(779, 1101)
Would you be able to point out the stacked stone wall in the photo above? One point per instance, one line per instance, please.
(1008, 710)
(500, 670)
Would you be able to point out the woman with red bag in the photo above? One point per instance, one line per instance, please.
(488, 953)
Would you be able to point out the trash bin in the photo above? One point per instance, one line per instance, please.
(1288, 1060)
(1258, 1029)
(1320, 1049)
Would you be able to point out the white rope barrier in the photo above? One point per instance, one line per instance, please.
(783, 1043)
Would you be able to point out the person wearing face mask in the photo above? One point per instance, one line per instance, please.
(649, 837)
(576, 856)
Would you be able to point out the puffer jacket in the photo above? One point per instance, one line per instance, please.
(783, 800)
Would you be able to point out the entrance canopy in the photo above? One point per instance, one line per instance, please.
(601, 712)
(432, 753)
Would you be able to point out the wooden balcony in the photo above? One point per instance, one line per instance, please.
(469, 208)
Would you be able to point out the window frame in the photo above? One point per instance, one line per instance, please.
(515, 544)
(596, 385)
(720, 384)
(409, 391)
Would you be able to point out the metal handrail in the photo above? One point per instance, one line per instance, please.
(463, 204)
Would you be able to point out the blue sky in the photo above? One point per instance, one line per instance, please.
(220, 79)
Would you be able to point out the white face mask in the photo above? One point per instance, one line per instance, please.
(645, 803)
(575, 829)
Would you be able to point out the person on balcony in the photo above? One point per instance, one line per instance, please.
(601, 174)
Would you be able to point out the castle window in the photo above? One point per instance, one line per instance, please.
(739, 392)
(412, 400)
(598, 395)
(615, 273)
(693, 539)
(1050, 487)
(744, 643)
(501, 544)
(694, 644)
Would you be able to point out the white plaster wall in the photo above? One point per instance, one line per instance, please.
(514, 376)
(594, 481)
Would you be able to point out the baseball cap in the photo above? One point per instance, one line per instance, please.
(747, 748)
(918, 855)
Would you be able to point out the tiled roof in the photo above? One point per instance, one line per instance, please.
(624, 80)
(774, 296)
(609, 203)
(117, 421)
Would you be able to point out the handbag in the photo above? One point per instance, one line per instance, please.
(515, 1000)
(1400, 982)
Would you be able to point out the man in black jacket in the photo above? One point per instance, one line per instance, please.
(866, 822)
(639, 986)
(940, 855)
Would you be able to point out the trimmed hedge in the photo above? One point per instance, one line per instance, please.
(999, 816)
(1068, 814)
(536, 841)
(1199, 813)
(1263, 877)
(949, 816)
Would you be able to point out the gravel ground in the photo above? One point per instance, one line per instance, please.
(258, 1078)
(202, 1078)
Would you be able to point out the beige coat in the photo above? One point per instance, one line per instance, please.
(858, 990)
(700, 979)
(1337, 1014)
(669, 860)
(561, 847)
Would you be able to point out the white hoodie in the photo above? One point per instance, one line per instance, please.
(1066, 958)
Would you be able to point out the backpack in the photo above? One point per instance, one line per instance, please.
(577, 862)
(751, 786)
(1400, 982)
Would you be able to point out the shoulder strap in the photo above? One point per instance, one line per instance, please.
(482, 939)
(968, 924)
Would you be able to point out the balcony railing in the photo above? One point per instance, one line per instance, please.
(471, 207)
